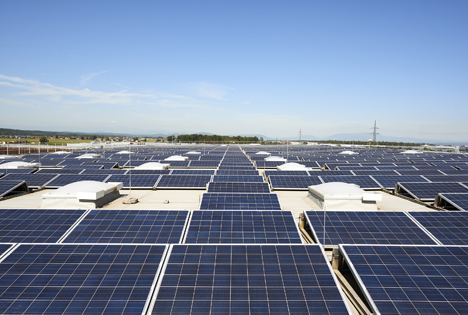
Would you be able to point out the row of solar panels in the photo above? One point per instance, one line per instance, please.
(278, 182)
(135, 181)
(147, 226)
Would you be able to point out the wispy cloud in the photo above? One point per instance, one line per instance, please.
(86, 77)
(210, 90)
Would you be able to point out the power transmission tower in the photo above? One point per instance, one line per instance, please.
(375, 133)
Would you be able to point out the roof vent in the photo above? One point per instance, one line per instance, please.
(81, 195)
(19, 164)
(176, 158)
(343, 196)
(292, 167)
(152, 166)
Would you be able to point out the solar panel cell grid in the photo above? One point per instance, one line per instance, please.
(65, 179)
(238, 188)
(8, 186)
(366, 227)
(183, 181)
(78, 279)
(450, 228)
(242, 227)
(293, 182)
(135, 181)
(237, 179)
(214, 201)
(129, 226)
(362, 180)
(412, 279)
(428, 191)
(248, 279)
(33, 180)
(459, 201)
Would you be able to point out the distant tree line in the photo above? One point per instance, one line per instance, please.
(389, 143)
(212, 138)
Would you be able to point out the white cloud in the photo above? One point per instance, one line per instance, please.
(86, 77)
(210, 90)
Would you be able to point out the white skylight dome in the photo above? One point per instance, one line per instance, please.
(348, 152)
(176, 158)
(193, 152)
(263, 153)
(125, 152)
(152, 166)
(5, 157)
(60, 152)
(343, 196)
(81, 195)
(89, 156)
(292, 167)
(275, 158)
(411, 152)
(19, 164)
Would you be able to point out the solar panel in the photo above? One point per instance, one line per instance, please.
(237, 179)
(56, 170)
(184, 181)
(428, 191)
(235, 167)
(389, 182)
(35, 225)
(376, 173)
(17, 170)
(419, 172)
(411, 279)
(450, 228)
(293, 182)
(221, 201)
(248, 279)
(112, 171)
(220, 187)
(136, 181)
(207, 164)
(65, 179)
(9, 186)
(457, 201)
(33, 180)
(83, 166)
(242, 227)
(330, 172)
(364, 182)
(447, 178)
(268, 164)
(366, 227)
(193, 172)
(286, 173)
(130, 226)
(78, 279)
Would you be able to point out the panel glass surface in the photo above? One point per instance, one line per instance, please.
(220, 187)
(183, 181)
(450, 228)
(221, 201)
(33, 180)
(293, 182)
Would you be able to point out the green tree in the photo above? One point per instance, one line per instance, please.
(43, 139)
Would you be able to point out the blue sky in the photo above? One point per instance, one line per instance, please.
(236, 67)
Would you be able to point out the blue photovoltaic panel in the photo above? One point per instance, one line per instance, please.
(224, 167)
(78, 279)
(248, 279)
(236, 173)
(376, 173)
(389, 182)
(65, 179)
(242, 227)
(130, 226)
(147, 172)
(35, 226)
(366, 227)
(56, 170)
(286, 173)
(268, 164)
(17, 170)
(220, 187)
(183, 181)
(423, 172)
(459, 201)
(136, 181)
(412, 279)
(428, 191)
(178, 163)
(104, 171)
(83, 166)
(210, 164)
(193, 172)
(293, 182)
(364, 182)
(133, 163)
(33, 180)
(356, 167)
(8, 186)
(221, 201)
(450, 228)
(447, 178)
(237, 179)
(330, 172)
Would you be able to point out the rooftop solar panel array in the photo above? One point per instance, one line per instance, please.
(242, 227)
(130, 226)
(366, 227)
(428, 191)
(184, 181)
(278, 182)
(411, 279)
(248, 279)
(237, 179)
(36, 225)
(78, 279)
(33, 180)
(135, 181)
(65, 179)
(236, 201)
(220, 187)
(389, 182)
(450, 228)
(8, 186)
(457, 201)
(364, 182)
